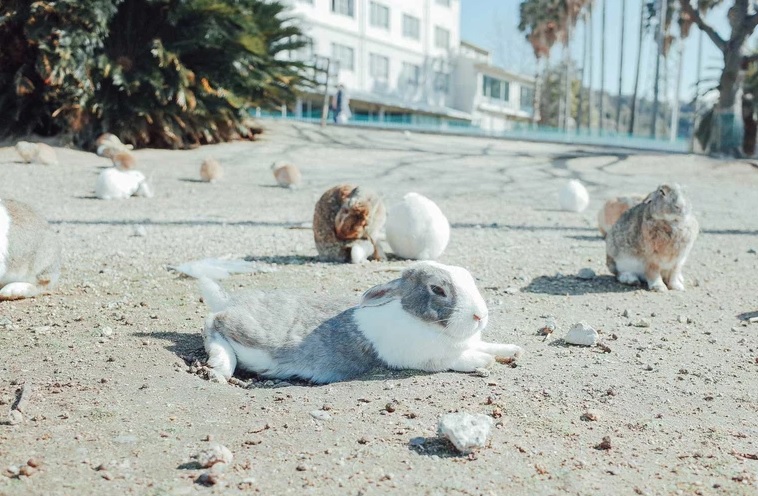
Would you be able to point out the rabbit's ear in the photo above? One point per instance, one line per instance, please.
(649, 197)
(382, 294)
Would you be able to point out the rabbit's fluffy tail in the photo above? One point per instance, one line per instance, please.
(213, 295)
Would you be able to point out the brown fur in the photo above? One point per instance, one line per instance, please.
(211, 170)
(344, 214)
(659, 232)
(287, 175)
(124, 161)
(613, 210)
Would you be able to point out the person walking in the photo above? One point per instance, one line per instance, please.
(340, 106)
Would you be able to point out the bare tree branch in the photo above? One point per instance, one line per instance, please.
(695, 15)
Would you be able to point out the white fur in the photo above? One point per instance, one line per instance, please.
(417, 229)
(27, 151)
(630, 270)
(360, 251)
(5, 224)
(213, 295)
(224, 355)
(219, 268)
(113, 184)
(573, 197)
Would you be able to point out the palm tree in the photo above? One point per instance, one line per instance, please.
(165, 73)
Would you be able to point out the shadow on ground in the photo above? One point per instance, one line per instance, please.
(572, 285)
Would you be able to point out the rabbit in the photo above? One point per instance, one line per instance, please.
(108, 145)
(612, 210)
(27, 151)
(417, 228)
(37, 152)
(346, 222)
(429, 319)
(30, 254)
(124, 161)
(287, 175)
(210, 170)
(651, 241)
(114, 183)
(573, 197)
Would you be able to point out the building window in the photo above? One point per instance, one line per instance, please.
(442, 82)
(379, 67)
(495, 89)
(344, 56)
(527, 98)
(380, 16)
(446, 3)
(304, 53)
(441, 37)
(344, 7)
(411, 27)
(412, 74)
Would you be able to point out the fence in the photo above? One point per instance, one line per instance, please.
(524, 132)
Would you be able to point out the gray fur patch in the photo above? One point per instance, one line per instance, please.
(34, 254)
(418, 300)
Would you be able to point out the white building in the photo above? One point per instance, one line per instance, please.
(400, 61)
(495, 98)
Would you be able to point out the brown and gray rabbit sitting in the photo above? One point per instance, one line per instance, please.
(430, 319)
(346, 223)
(651, 241)
(30, 255)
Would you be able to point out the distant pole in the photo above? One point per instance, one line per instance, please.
(602, 68)
(677, 104)
(580, 110)
(661, 40)
(637, 73)
(621, 66)
(696, 119)
(567, 88)
(590, 99)
(325, 108)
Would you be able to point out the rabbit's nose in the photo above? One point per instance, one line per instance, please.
(478, 317)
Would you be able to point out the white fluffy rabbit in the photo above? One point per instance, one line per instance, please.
(430, 319)
(30, 255)
(416, 228)
(574, 197)
(116, 184)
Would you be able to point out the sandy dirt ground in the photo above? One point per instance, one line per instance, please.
(114, 408)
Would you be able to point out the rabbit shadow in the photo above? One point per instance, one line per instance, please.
(747, 316)
(192, 180)
(584, 237)
(283, 259)
(561, 285)
(434, 446)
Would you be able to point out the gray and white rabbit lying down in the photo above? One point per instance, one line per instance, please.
(429, 319)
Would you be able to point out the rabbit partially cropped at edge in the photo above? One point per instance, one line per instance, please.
(651, 241)
(30, 254)
(429, 319)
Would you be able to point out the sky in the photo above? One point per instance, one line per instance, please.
(493, 24)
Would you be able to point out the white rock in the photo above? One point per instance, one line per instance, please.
(216, 454)
(320, 415)
(573, 197)
(465, 431)
(139, 230)
(581, 334)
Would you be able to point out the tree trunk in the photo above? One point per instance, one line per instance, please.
(726, 132)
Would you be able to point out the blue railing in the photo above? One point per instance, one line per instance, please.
(520, 131)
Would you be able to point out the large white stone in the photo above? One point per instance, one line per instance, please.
(466, 431)
(581, 334)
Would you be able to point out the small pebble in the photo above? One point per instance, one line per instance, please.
(605, 444)
(140, 231)
(625, 313)
(642, 323)
(586, 274)
(207, 479)
(320, 415)
(216, 454)
(590, 416)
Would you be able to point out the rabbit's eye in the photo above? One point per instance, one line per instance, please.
(437, 290)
